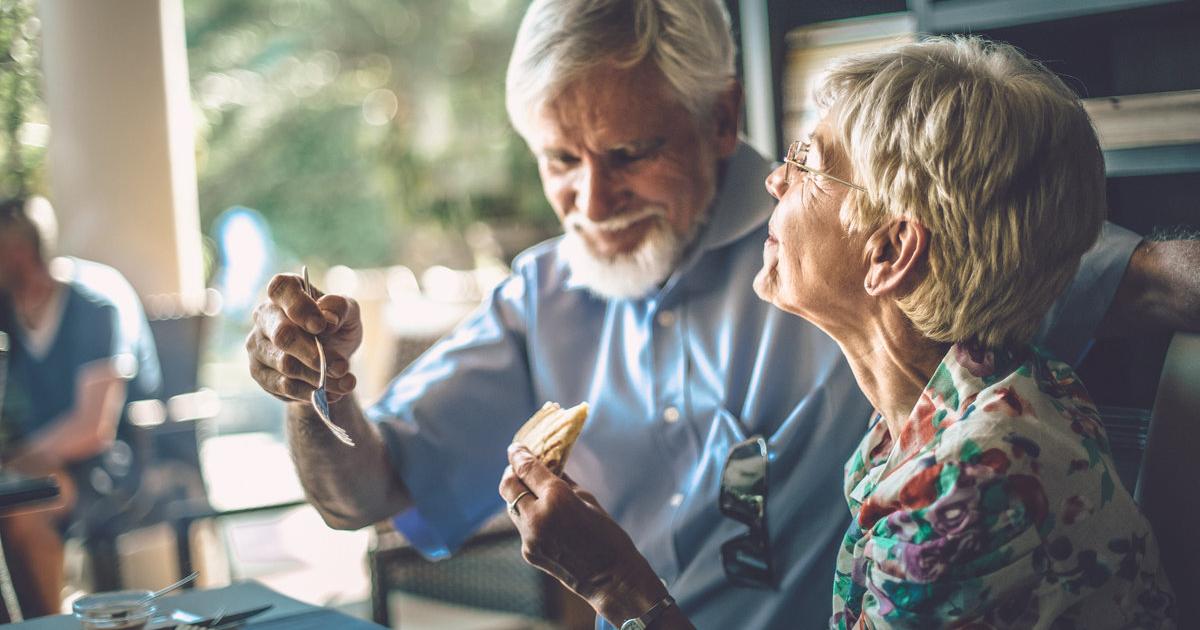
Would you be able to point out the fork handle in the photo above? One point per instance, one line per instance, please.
(321, 360)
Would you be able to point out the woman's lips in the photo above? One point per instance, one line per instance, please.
(770, 252)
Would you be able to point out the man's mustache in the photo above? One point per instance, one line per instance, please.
(577, 221)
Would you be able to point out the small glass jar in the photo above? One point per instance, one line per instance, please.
(118, 610)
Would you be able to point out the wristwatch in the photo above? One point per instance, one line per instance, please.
(652, 615)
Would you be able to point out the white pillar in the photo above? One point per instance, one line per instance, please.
(121, 156)
(758, 83)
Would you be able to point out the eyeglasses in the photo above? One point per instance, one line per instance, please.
(747, 558)
(797, 155)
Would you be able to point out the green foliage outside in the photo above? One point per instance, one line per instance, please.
(22, 117)
(357, 127)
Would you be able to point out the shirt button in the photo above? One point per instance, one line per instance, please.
(670, 414)
(676, 499)
(666, 318)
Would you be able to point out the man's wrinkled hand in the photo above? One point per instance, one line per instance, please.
(283, 353)
(567, 534)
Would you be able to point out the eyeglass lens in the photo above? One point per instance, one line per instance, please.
(797, 153)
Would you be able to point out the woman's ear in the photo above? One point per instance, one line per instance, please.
(896, 254)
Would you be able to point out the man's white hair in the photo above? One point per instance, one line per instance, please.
(559, 41)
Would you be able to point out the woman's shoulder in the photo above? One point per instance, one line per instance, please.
(1038, 422)
(1034, 392)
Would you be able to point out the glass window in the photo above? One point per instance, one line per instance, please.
(361, 131)
(23, 129)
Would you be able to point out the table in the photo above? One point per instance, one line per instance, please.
(285, 614)
(17, 491)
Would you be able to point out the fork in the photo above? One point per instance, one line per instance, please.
(204, 624)
(320, 399)
(221, 619)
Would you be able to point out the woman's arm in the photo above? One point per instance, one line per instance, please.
(568, 535)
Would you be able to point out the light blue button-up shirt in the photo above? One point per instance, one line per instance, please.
(673, 379)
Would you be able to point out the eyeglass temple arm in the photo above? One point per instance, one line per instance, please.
(814, 171)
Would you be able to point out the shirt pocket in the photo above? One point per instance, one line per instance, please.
(697, 522)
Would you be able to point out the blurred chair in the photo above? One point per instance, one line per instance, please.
(156, 445)
(487, 573)
(1128, 429)
(10, 608)
(1169, 485)
(175, 480)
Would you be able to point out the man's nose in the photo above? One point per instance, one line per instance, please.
(597, 192)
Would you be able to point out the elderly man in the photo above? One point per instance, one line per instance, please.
(644, 308)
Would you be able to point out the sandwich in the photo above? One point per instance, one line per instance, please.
(551, 433)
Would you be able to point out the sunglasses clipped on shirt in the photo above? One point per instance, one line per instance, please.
(743, 497)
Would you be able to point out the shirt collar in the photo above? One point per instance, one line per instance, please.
(963, 373)
(741, 205)
(38, 341)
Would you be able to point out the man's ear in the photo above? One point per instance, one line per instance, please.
(896, 253)
(727, 119)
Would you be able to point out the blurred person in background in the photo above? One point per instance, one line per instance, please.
(644, 309)
(80, 347)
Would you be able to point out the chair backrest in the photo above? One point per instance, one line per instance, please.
(173, 446)
(179, 341)
(1128, 429)
(1169, 485)
(486, 573)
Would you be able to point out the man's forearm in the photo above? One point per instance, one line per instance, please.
(351, 487)
(1160, 290)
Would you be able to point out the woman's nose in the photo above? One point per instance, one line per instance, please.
(777, 181)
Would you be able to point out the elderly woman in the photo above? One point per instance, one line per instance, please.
(927, 225)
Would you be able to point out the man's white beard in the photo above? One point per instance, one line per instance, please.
(629, 275)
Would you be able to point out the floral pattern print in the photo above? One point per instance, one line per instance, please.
(996, 506)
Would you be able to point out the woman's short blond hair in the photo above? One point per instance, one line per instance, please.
(994, 155)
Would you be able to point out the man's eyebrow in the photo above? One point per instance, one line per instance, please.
(633, 146)
(639, 146)
(554, 153)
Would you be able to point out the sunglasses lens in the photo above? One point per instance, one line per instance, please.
(744, 482)
(747, 561)
(746, 558)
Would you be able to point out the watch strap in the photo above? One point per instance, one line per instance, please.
(650, 616)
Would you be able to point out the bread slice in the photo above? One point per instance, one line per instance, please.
(551, 433)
